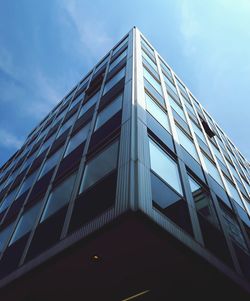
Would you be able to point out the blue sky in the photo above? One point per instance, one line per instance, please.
(47, 46)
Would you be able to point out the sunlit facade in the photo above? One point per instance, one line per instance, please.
(128, 164)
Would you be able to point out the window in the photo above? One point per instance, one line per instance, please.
(75, 101)
(232, 226)
(46, 144)
(101, 64)
(114, 80)
(77, 139)
(59, 117)
(170, 84)
(149, 60)
(146, 46)
(164, 166)
(120, 45)
(83, 82)
(188, 106)
(90, 102)
(203, 202)
(4, 235)
(198, 132)
(181, 86)
(217, 152)
(8, 200)
(166, 69)
(50, 162)
(27, 183)
(101, 165)
(152, 81)
(59, 197)
(109, 111)
(234, 193)
(234, 172)
(157, 112)
(69, 96)
(66, 125)
(118, 60)
(212, 170)
(176, 107)
(187, 144)
(26, 222)
(42, 134)
(11, 178)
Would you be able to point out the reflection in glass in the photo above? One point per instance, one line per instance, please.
(164, 166)
(203, 202)
(77, 139)
(59, 197)
(26, 222)
(152, 81)
(4, 235)
(109, 111)
(99, 166)
(157, 112)
(114, 80)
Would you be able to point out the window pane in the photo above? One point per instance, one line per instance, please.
(27, 183)
(170, 84)
(164, 166)
(216, 152)
(232, 227)
(176, 107)
(120, 45)
(50, 162)
(100, 166)
(198, 132)
(234, 193)
(149, 60)
(77, 139)
(188, 105)
(203, 202)
(75, 101)
(66, 125)
(145, 44)
(114, 80)
(157, 112)
(59, 197)
(212, 170)
(109, 111)
(152, 81)
(89, 104)
(101, 64)
(187, 144)
(26, 222)
(4, 235)
(83, 82)
(46, 144)
(8, 200)
(118, 60)
(166, 69)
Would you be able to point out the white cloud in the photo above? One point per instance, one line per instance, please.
(6, 62)
(9, 140)
(91, 29)
(190, 28)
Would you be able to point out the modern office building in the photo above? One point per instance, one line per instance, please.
(127, 190)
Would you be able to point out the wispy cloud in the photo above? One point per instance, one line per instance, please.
(190, 28)
(90, 28)
(46, 96)
(32, 90)
(9, 140)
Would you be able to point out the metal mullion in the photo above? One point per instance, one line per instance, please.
(83, 160)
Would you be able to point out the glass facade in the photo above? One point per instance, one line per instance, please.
(129, 124)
